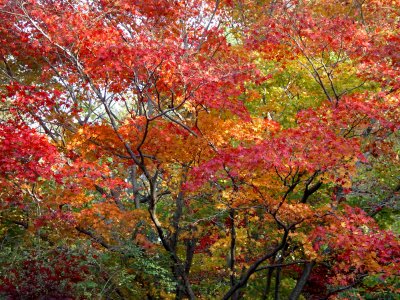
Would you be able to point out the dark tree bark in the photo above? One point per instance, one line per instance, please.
(301, 282)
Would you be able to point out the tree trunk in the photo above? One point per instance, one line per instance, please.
(268, 283)
(302, 281)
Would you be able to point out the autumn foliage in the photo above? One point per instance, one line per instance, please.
(210, 149)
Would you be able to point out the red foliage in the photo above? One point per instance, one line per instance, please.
(353, 245)
(25, 155)
(50, 277)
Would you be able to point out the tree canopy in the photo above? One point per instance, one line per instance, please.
(199, 149)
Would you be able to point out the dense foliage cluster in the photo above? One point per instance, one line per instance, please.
(199, 149)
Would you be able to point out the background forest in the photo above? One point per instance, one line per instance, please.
(199, 149)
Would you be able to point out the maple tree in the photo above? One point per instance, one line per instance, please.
(199, 148)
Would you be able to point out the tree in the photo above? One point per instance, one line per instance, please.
(206, 149)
